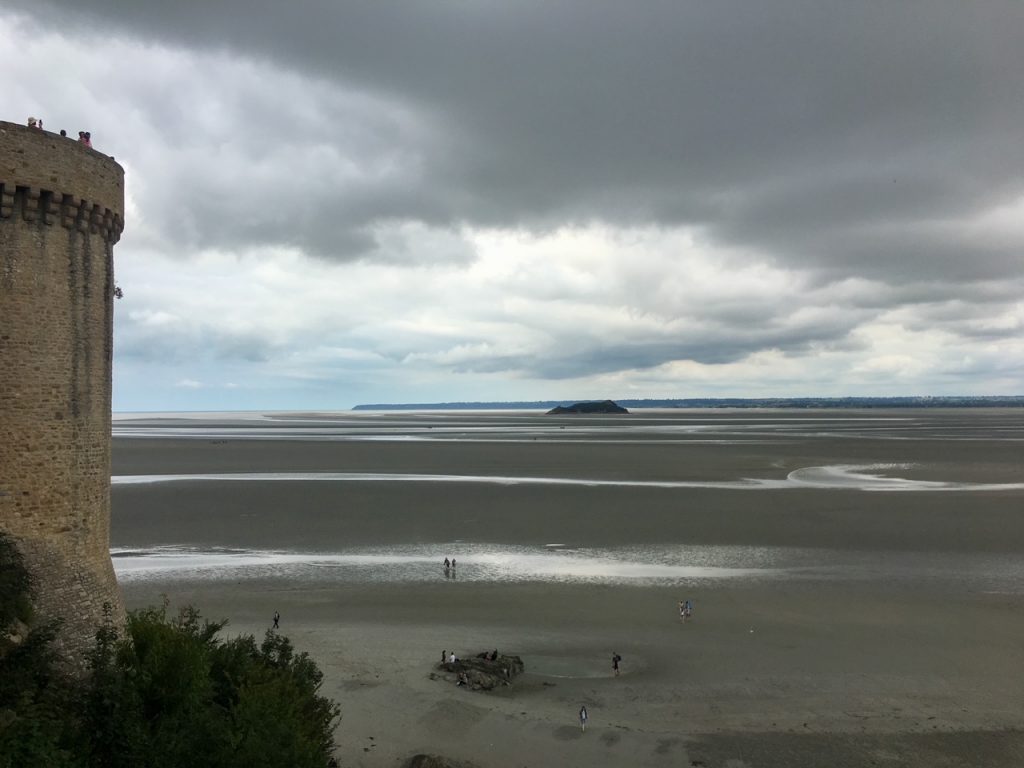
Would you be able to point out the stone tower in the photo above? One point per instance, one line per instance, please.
(61, 211)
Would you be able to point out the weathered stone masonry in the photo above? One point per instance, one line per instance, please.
(61, 211)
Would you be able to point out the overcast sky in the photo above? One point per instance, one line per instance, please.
(334, 203)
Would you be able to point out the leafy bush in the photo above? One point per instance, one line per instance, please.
(15, 585)
(33, 693)
(169, 693)
(172, 691)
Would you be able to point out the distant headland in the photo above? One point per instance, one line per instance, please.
(920, 401)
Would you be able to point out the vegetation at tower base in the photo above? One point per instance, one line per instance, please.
(168, 693)
(176, 691)
(33, 690)
(15, 588)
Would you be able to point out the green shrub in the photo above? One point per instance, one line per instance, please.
(15, 585)
(169, 693)
(34, 695)
(172, 691)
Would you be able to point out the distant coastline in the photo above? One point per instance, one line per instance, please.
(967, 401)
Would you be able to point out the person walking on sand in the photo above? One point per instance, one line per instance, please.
(615, 663)
(583, 718)
(682, 611)
(277, 620)
(688, 609)
(444, 656)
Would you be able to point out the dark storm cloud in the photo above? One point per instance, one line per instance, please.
(318, 175)
(970, 321)
(828, 134)
(705, 345)
(916, 224)
(715, 338)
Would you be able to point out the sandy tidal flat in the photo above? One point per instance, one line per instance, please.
(871, 616)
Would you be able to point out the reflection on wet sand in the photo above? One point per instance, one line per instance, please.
(635, 566)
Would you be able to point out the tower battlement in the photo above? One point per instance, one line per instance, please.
(61, 212)
(70, 212)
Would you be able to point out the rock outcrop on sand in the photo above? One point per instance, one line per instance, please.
(436, 761)
(483, 673)
(604, 406)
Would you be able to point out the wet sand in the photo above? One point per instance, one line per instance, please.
(907, 669)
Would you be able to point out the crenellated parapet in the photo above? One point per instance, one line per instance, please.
(59, 208)
(39, 168)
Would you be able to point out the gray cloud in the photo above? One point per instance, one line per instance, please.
(822, 133)
(183, 345)
(842, 163)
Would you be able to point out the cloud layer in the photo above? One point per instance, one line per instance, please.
(331, 203)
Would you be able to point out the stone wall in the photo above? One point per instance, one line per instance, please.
(61, 209)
